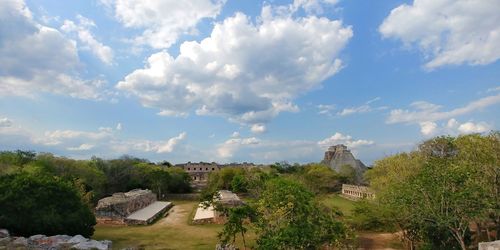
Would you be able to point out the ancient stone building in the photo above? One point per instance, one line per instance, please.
(224, 198)
(200, 171)
(338, 156)
(357, 192)
(137, 206)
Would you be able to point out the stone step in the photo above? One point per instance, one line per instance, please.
(148, 214)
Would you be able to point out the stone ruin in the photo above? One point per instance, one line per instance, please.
(116, 208)
(338, 156)
(56, 242)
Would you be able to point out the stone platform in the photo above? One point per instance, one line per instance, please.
(204, 215)
(148, 214)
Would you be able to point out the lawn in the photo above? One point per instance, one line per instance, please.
(334, 200)
(171, 232)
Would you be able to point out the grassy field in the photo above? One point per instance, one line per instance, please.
(334, 200)
(171, 232)
(175, 231)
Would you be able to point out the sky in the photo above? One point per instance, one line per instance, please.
(236, 81)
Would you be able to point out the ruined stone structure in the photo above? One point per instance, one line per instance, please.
(338, 156)
(116, 208)
(225, 198)
(200, 171)
(55, 242)
(357, 192)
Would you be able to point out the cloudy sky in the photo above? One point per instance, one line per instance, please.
(258, 81)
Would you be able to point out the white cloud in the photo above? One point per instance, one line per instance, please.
(163, 21)
(171, 143)
(325, 109)
(82, 147)
(5, 122)
(104, 139)
(36, 58)
(89, 42)
(355, 110)
(311, 7)
(470, 127)
(258, 128)
(229, 147)
(119, 126)
(449, 32)
(428, 128)
(235, 134)
(244, 71)
(365, 108)
(347, 140)
(494, 89)
(453, 127)
(425, 111)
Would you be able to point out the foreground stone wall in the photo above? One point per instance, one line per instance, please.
(492, 245)
(56, 242)
(114, 209)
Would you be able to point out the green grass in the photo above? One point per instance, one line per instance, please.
(166, 234)
(334, 200)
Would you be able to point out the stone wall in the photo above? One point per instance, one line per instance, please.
(114, 209)
(357, 192)
(56, 242)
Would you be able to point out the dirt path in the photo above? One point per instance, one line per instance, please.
(177, 215)
(379, 241)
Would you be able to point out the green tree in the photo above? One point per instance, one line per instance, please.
(239, 184)
(235, 223)
(444, 185)
(319, 178)
(43, 205)
(288, 217)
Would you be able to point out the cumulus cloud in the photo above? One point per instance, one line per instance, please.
(347, 140)
(87, 39)
(425, 111)
(453, 127)
(428, 128)
(258, 128)
(229, 147)
(171, 143)
(36, 58)
(470, 127)
(244, 71)
(163, 21)
(104, 139)
(449, 32)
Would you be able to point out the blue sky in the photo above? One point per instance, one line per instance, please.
(225, 81)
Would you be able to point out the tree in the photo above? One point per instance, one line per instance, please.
(319, 178)
(239, 184)
(41, 204)
(235, 223)
(288, 217)
(444, 185)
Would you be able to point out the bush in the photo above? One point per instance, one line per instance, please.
(39, 204)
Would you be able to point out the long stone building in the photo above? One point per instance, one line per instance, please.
(199, 171)
(357, 192)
